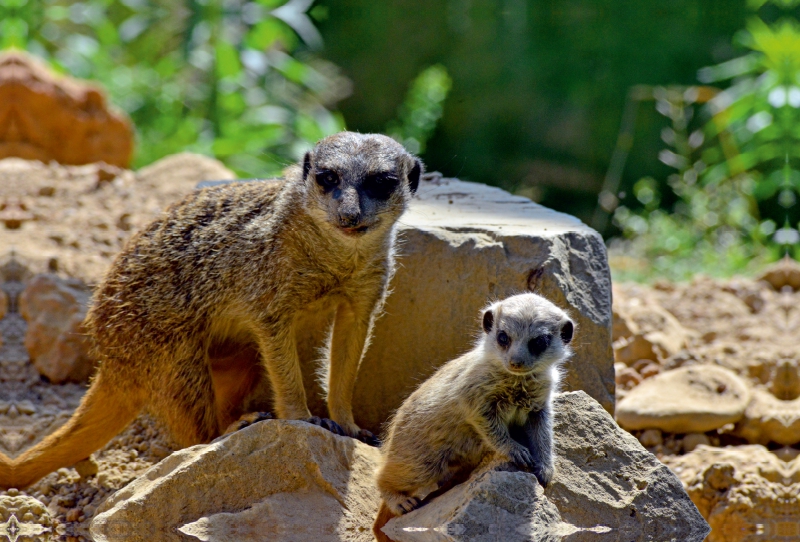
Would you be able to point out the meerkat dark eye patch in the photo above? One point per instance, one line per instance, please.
(379, 185)
(327, 179)
(539, 344)
(566, 332)
(503, 339)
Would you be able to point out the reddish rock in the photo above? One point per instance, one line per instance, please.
(54, 309)
(47, 117)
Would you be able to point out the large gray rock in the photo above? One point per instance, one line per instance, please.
(463, 244)
(282, 480)
(607, 487)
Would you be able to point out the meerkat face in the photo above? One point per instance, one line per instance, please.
(527, 333)
(359, 184)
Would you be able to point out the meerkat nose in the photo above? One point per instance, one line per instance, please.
(349, 218)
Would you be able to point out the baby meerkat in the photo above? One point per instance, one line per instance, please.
(495, 398)
(239, 264)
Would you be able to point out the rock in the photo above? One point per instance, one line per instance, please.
(275, 478)
(768, 419)
(464, 244)
(54, 309)
(693, 440)
(650, 438)
(692, 399)
(83, 215)
(23, 517)
(497, 502)
(44, 116)
(605, 481)
(646, 332)
(176, 175)
(745, 492)
(784, 273)
(628, 378)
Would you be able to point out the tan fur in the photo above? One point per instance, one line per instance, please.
(493, 399)
(219, 281)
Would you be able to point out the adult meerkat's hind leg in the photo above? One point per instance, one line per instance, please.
(104, 411)
(187, 404)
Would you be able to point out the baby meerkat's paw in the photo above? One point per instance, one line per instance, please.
(401, 504)
(544, 473)
(522, 457)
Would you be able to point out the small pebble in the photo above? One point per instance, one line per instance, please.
(693, 440)
(651, 438)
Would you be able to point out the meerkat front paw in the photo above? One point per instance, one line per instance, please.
(328, 424)
(367, 437)
(522, 458)
(401, 504)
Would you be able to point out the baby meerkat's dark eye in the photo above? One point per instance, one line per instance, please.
(327, 179)
(539, 344)
(503, 339)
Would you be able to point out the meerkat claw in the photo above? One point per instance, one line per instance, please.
(368, 438)
(255, 417)
(328, 424)
(412, 503)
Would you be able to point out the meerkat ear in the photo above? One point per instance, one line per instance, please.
(414, 175)
(488, 320)
(566, 332)
(306, 165)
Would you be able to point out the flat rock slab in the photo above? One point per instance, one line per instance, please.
(768, 419)
(607, 487)
(692, 399)
(281, 480)
(462, 245)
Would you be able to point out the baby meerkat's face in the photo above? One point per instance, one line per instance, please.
(527, 333)
(359, 183)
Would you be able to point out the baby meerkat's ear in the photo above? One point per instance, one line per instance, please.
(566, 332)
(488, 320)
(306, 165)
(414, 175)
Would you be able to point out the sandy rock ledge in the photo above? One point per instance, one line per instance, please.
(291, 481)
(286, 480)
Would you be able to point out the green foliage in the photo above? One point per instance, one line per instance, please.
(737, 171)
(231, 78)
(422, 109)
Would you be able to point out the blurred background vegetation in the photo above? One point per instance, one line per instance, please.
(671, 127)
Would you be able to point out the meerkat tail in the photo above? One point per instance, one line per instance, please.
(384, 515)
(102, 414)
(6, 466)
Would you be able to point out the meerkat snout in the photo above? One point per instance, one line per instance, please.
(527, 345)
(358, 191)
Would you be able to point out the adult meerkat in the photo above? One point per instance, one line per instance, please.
(495, 398)
(239, 264)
